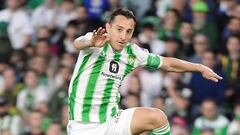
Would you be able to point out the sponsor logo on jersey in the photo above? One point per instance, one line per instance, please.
(110, 76)
(114, 67)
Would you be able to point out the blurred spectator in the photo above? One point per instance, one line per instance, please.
(172, 46)
(202, 25)
(230, 63)
(40, 65)
(236, 11)
(203, 89)
(131, 100)
(206, 131)
(230, 66)
(18, 63)
(60, 95)
(44, 15)
(171, 25)
(11, 86)
(17, 23)
(54, 129)
(43, 32)
(9, 122)
(138, 7)
(32, 95)
(68, 60)
(64, 14)
(68, 38)
(151, 84)
(200, 45)
(135, 85)
(65, 115)
(85, 24)
(149, 40)
(159, 103)
(186, 33)
(34, 123)
(179, 130)
(177, 95)
(113, 4)
(162, 6)
(234, 125)
(210, 119)
(233, 27)
(96, 8)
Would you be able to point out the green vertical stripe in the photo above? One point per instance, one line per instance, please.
(153, 61)
(130, 65)
(105, 100)
(114, 111)
(75, 86)
(107, 94)
(87, 103)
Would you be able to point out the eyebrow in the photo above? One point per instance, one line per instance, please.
(122, 27)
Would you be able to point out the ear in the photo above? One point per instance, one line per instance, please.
(107, 26)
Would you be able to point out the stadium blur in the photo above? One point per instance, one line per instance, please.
(37, 58)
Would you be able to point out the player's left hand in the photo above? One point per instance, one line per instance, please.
(209, 74)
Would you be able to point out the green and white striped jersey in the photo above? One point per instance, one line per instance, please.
(94, 87)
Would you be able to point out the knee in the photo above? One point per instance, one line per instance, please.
(157, 118)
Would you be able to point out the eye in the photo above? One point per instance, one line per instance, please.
(119, 29)
(129, 31)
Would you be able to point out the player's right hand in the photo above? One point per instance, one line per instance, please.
(99, 37)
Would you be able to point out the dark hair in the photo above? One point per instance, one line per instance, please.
(210, 100)
(45, 40)
(124, 12)
(72, 23)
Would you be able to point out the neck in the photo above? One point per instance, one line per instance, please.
(32, 87)
(36, 131)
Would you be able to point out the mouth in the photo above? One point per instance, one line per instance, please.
(122, 43)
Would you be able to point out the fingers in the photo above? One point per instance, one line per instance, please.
(215, 77)
(99, 32)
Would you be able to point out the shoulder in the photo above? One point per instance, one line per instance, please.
(222, 119)
(4, 14)
(4, 11)
(136, 48)
(199, 122)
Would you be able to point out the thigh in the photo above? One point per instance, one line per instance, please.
(147, 119)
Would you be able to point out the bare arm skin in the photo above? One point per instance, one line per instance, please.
(99, 38)
(177, 65)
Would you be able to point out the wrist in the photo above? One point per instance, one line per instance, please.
(200, 68)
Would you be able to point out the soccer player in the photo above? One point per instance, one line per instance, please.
(105, 58)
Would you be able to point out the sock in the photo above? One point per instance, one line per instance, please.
(165, 130)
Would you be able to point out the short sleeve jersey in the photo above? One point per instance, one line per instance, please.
(98, 74)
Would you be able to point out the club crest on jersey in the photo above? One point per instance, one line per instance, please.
(113, 67)
(103, 54)
(131, 60)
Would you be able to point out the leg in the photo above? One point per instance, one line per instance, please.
(149, 119)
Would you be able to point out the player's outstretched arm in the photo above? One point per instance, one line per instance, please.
(177, 65)
(98, 39)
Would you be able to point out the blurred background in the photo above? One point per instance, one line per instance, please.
(37, 58)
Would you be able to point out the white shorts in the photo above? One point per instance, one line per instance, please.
(118, 125)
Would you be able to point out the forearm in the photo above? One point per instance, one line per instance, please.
(81, 44)
(177, 65)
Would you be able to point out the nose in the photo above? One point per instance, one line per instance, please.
(123, 36)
